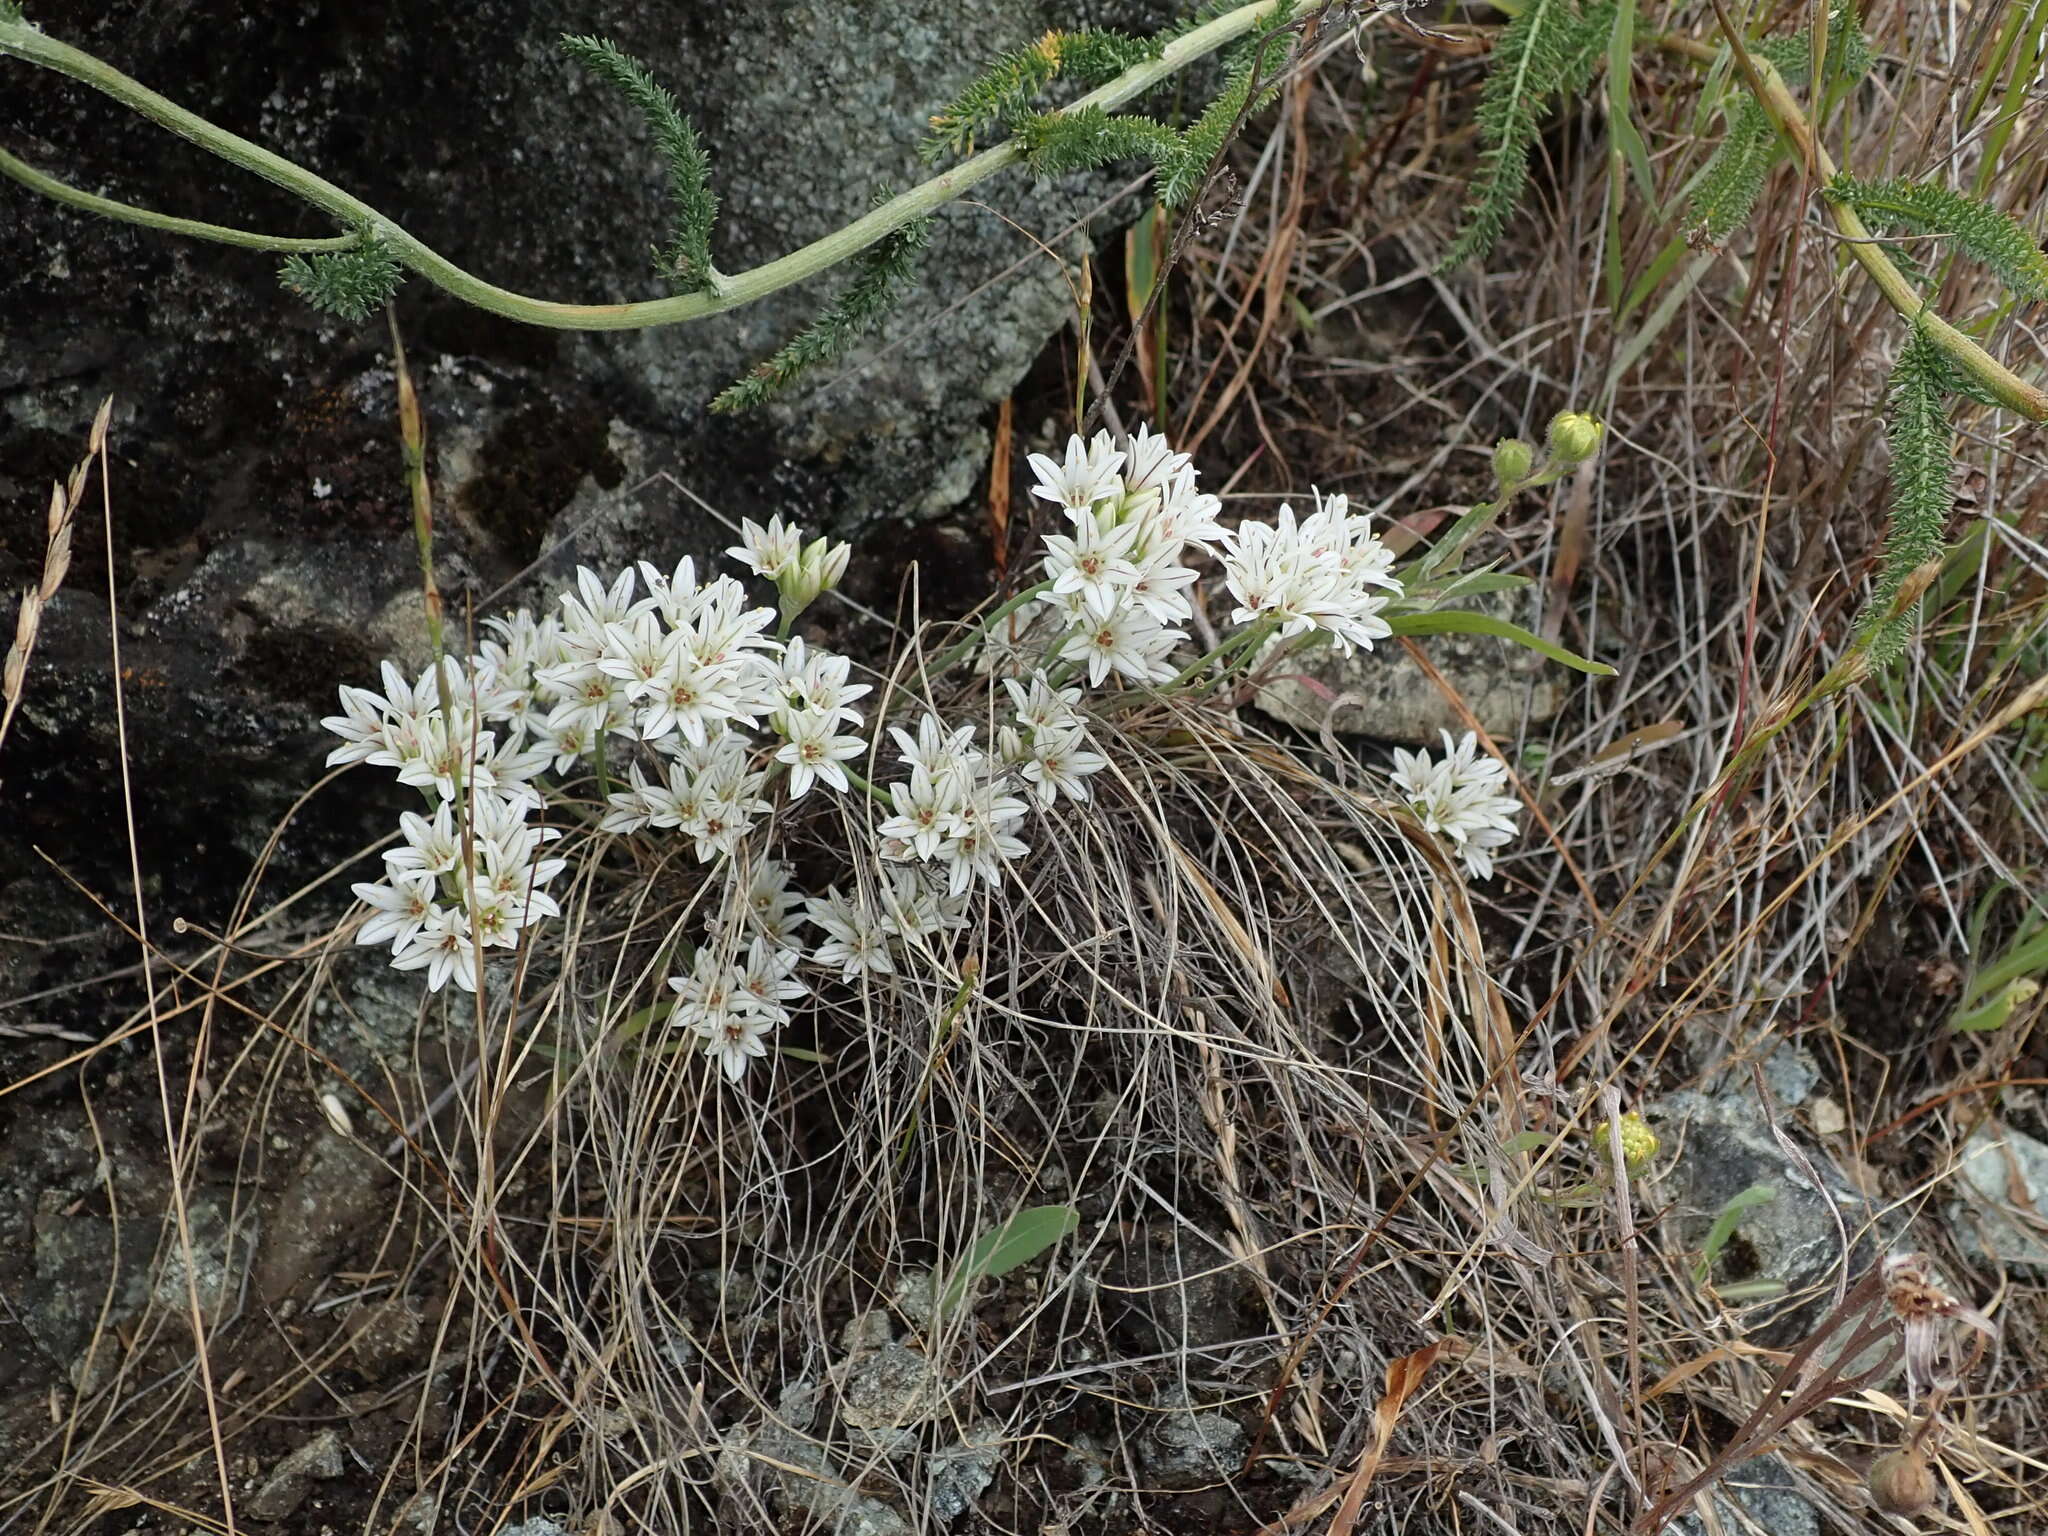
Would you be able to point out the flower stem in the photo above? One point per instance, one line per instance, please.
(1243, 639)
(951, 657)
(25, 42)
(862, 784)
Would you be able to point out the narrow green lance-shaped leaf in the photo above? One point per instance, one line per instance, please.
(1001, 1249)
(1458, 621)
(353, 283)
(1725, 1224)
(687, 259)
(1923, 485)
(1994, 238)
(1551, 46)
(881, 274)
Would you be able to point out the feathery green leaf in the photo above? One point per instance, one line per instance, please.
(1992, 237)
(1923, 485)
(1733, 178)
(1259, 61)
(1006, 89)
(1552, 46)
(352, 283)
(883, 270)
(1081, 138)
(687, 259)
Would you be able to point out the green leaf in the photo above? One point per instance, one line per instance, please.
(687, 260)
(1922, 442)
(1457, 621)
(1001, 1249)
(1724, 1227)
(1005, 90)
(1994, 238)
(1551, 47)
(881, 273)
(352, 283)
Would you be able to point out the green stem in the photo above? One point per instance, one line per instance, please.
(127, 213)
(951, 657)
(22, 41)
(1783, 109)
(1245, 639)
(860, 783)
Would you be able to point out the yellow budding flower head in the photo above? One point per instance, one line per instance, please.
(1638, 1142)
(1512, 461)
(1574, 436)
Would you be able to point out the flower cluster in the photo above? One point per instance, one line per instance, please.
(1329, 572)
(1461, 797)
(451, 893)
(699, 718)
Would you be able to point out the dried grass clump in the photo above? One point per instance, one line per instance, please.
(1233, 1013)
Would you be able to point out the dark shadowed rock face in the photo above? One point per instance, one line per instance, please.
(261, 534)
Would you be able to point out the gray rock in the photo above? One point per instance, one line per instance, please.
(1186, 1445)
(217, 1260)
(319, 1459)
(1806, 1238)
(539, 1525)
(1760, 1495)
(263, 534)
(2003, 1216)
(815, 1489)
(960, 1474)
(1383, 693)
(888, 1387)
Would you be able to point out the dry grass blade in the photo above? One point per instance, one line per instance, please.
(57, 523)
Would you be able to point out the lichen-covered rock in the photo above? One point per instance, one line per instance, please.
(1385, 694)
(262, 532)
(2003, 1215)
(1815, 1230)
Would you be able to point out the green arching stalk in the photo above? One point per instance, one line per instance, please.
(1771, 92)
(879, 796)
(22, 41)
(16, 169)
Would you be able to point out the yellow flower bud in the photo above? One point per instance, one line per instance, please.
(1512, 461)
(1638, 1142)
(1574, 436)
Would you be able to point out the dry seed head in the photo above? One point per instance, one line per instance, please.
(1901, 1482)
(24, 639)
(98, 441)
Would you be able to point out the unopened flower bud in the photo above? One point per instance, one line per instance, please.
(1638, 1142)
(1901, 1482)
(1512, 461)
(816, 570)
(1574, 436)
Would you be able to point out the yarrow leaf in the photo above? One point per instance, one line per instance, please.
(1994, 238)
(353, 283)
(1082, 138)
(1922, 443)
(883, 272)
(1733, 178)
(686, 261)
(1005, 90)
(1550, 48)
